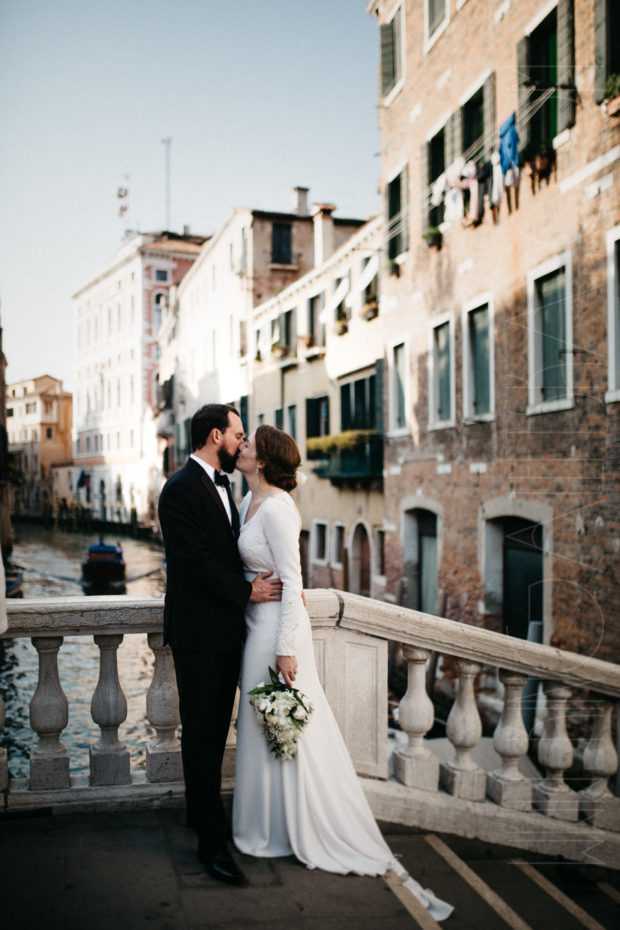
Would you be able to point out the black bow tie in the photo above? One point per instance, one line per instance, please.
(222, 480)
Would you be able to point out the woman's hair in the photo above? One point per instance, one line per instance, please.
(280, 456)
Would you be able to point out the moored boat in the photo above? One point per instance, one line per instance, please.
(104, 565)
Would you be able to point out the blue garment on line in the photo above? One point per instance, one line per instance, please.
(509, 143)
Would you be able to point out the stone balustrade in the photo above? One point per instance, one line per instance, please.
(455, 794)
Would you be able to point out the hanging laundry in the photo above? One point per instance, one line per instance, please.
(438, 189)
(485, 180)
(470, 175)
(509, 143)
(454, 207)
(497, 185)
(454, 171)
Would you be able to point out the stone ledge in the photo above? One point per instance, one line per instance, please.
(435, 810)
(82, 796)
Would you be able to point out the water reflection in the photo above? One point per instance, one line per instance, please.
(52, 562)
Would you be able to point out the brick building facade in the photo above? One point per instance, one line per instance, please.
(502, 311)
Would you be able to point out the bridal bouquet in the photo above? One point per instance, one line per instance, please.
(282, 713)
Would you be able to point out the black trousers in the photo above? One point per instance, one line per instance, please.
(206, 683)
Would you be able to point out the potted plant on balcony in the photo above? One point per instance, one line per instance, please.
(370, 308)
(433, 237)
(612, 94)
(307, 341)
(279, 349)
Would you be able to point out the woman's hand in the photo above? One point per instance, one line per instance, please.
(288, 666)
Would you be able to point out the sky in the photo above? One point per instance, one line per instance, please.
(257, 96)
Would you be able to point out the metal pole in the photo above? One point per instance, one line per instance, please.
(167, 142)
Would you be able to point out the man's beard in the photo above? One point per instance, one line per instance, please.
(228, 462)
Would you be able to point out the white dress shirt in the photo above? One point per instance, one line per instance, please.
(210, 470)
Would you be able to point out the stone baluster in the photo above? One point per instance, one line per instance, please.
(109, 757)
(600, 759)
(4, 763)
(461, 776)
(163, 754)
(49, 715)
(506, 785)
(552, 795)
(414, 764)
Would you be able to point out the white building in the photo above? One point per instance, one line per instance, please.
(117, 316)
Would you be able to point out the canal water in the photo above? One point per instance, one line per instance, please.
(51, 559)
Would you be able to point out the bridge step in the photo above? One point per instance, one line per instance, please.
(492, 887)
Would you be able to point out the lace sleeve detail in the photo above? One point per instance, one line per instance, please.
(282, 524)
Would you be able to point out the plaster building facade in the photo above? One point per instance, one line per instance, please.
(39, 421)
(207, 351)
(117, 318)
(500, 168)
(318, 374)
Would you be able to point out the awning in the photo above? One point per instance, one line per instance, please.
(334, 301)
(369, 272)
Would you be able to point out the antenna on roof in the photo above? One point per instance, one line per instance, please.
(167, 142)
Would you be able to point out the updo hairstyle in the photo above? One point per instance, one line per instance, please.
(280, 457)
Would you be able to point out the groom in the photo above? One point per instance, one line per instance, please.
(206, 594)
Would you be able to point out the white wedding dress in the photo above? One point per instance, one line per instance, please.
(311, 806)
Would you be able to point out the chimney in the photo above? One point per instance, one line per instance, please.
(324, 240)
(300, 201)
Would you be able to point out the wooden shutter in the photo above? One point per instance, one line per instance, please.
(566, 64)
(600, 49)
(243, 410)
(387, 57)
(424, 195)
(404, 209)
(488, 111)
(378, 411)
(453, 137)
(523, 76)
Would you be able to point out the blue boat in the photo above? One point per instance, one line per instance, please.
(104, 565)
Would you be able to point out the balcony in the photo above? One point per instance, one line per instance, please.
(350, 456)
(407, 780)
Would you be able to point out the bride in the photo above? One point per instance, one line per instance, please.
(311, 806)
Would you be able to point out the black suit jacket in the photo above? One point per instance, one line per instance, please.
(206, 592)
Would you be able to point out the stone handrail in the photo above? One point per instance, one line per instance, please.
(351, 632)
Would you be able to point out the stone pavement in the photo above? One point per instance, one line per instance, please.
(137, 869)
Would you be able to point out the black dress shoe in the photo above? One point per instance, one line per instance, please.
(221, 865)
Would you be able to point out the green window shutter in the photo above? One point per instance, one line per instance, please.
(442, 359)
(566, 64)
(404, 209)
(424, 182)
(523, 76)
(551, 294)
(243, 410)
(600, 48)
(346, 413)
(379, 395)
(397, 45)
(388, 63)
(452, 137)
(488, 108)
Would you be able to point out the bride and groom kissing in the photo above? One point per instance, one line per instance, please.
(234, 607)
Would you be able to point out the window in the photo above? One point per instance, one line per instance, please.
(287, 332)
(88, 443)
(545, 73)
(31, 408)
(278, 418)
(380, 552)
(337, 545)
(441, 375)
(391, 53)
(613, 314)
(550, 338)
(607, 44)
(158, 307)
(478, 364)
(399, 388)
(316, 322)
(260, 419)
(49, 432)
(357, 404)
(435, 18)
(319, 539)
(281, 244)
(161, 274)
(396, 211)
(291, 420)
(317, 416)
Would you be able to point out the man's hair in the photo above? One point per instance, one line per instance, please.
(211, 416)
